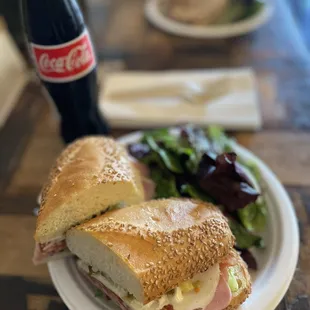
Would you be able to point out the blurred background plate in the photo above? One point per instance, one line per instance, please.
(276, 264)
(158, 19)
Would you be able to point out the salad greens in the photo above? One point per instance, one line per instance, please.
(253, 217)
(201, 164)
(244, 239)
(193, 192)
(238, 10)
(165, 184)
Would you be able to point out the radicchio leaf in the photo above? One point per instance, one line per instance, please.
(223, 181)
(139, 150)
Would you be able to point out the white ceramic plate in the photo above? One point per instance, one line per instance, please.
(276, 263)
(164, 23)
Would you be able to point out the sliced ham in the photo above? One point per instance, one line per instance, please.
(45, 250)
(143, 169)
(149, 188)
(148, 185)
(222, 297)
(108, 293)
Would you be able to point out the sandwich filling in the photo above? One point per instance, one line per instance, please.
(57, 248)
(48, 249)
(211, 290)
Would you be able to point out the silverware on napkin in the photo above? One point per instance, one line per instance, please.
(188, 92)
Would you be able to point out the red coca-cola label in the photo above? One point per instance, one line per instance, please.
(65, 62)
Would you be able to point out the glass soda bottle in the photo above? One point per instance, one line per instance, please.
(65, 61)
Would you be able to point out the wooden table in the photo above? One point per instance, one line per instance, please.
(30, 141)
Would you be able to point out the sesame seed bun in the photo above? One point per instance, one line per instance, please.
(152, 247)
(89, 176)
(244, 280)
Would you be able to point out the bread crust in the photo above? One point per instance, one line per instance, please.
(164, 242)
(243, 293)
(85, 163)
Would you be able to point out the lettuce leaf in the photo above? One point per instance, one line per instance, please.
(244, 238)
(169, 159)
(165, 183)
(193, 192)
(254, 216)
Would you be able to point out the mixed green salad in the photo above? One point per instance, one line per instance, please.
(201, 164)
(238, 10)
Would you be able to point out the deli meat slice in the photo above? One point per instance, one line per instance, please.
(149, 188)
(110, 295)
(142, 168)
(223, 296)
(106, 292)
(148, 184)
(44, 250)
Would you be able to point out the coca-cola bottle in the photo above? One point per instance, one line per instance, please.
(65, 61)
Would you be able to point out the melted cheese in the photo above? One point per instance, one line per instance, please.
(180, 301)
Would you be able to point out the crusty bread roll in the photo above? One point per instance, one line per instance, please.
(244, 281)
(150, 248)
(90, 175)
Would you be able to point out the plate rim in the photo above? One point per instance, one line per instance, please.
(245, 26)
(58, 268)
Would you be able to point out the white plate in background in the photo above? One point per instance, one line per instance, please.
(276, 263)
(158, 19)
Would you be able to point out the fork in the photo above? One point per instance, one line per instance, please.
(187, 92)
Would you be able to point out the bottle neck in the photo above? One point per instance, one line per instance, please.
(52, 22)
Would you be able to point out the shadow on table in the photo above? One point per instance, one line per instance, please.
(25, 294)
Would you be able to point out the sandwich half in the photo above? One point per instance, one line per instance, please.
(91, 176)
(171, 254)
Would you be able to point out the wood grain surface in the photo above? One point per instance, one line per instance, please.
(30, 141)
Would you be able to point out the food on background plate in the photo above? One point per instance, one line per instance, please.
(215, 12)
(168, 254)
(194, 11)
(91, 176)
(201, 164)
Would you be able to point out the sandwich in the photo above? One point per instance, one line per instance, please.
(170, 254)
(91, 176)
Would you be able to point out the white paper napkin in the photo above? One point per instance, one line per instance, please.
(237, 108)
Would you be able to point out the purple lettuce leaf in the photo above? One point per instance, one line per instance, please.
(222, 180)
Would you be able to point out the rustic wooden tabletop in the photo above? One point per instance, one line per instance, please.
(30, 141)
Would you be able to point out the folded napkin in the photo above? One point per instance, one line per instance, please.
(231, 99)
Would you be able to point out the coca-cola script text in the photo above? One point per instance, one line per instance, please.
(65, 62)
